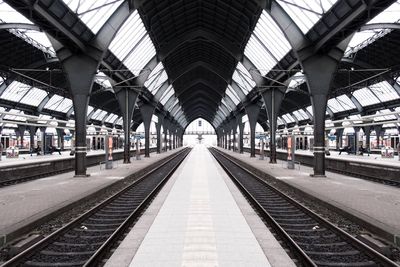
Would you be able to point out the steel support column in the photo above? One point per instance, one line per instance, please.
(127, 99)
(252, 113)
(273, 100)
(146, 111)
(241, 129)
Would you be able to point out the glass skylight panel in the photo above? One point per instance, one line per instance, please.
(93, 13)
(288, 118)
(65, 105)
(54, 102)
(310, 110)
(334, 105)
(176, 102)
(89, 110)
(345, 102)
(132, 45)
(384, 91)
(300, 115)
(243, 78)
(36, 38)
(257, 54)
(365, 97)
(297, 79)
(305, 13)
(111, 118)
(15, 91)
(167, 94)
(120, 121)
(232, 95)
(157, 77)
(363, 38)
(34, 97)
(270, 35)
(99, 115)
(280, 121)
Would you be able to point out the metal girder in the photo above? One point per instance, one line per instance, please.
(200, 64)
(192, 36)
(199, 81)
(21, 26)
(379, 26)
(194, 93)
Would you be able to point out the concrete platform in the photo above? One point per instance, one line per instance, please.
(372, 158)
(27, 158)
(374, 203)
(204, 221)
(27, 202)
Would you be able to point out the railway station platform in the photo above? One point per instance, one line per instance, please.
(28, 203)
(24, 159)
(375, 204)
(199, 219)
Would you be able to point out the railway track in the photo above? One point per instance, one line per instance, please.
(86, 240)
(314, 240)
(344, 171)
(48, 172)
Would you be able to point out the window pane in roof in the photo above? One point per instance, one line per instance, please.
(231, 93)
(99, 115)
(305, 13)
(132, 45)
(15, 91)
(38, 39)
(243, 78)
(226, 104)
(65, 105)
(300, 115)
(89, 110)
(257, 54)
(365, 97)
(363, 38)
(171, 107)
(310, 110)
(345, 102)
(54, 102)
(384, 91)
(111, 118)
(34, 97)
(93, 13)
(334, 105)
(120, 121)
(167, 94)
(157, 77)
(280, 121)
(288, 118)
(270, 35)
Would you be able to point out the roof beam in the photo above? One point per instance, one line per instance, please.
(192, 36)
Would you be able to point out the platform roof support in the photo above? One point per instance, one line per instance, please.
(146, 111)
(126, 99)
(252, 111)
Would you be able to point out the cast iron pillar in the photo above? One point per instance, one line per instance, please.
(32, 132)
(252, 113)
(378, 133)
(339, 138)
(367, 132)
(241, 129)
(158, 130)
(146, 111)
(319, 71)
(126, 99)
(273, 99)
(234, 132)
(60, 140)
(21, 130)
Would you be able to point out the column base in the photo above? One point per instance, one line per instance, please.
(81, 175)
(318, 175)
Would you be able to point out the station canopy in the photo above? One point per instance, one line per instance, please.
(210, 57)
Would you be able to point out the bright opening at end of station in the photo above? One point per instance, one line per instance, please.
(200, 131)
